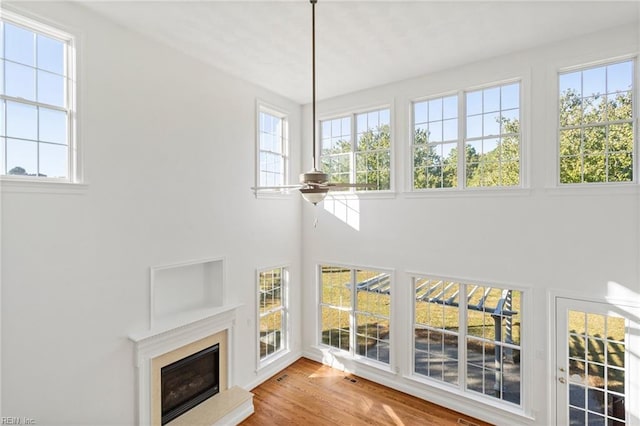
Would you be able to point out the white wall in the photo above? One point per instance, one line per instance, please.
(169, 154)
(159, 131)
(541, 238)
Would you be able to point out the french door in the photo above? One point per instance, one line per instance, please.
(597, 364)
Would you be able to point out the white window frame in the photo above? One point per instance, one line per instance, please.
(352, 312)
(412, 112)
(74, 170)
(462, 139)
(635, 121)
(263, 107)
(262, 362)
(461, 388)
(353, 114)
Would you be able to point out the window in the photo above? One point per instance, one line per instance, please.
(489, 344)
(596, 124)
(355, 306)
(435, 143)
(272, 328)
(491, 144)
(36, 101)
(357, 149)
(492, 151)
(273, 148)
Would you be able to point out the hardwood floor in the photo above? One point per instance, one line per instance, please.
(308, 393)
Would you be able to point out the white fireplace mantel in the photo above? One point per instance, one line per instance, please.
(175, 332)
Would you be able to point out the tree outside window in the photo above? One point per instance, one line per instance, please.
(596, 139)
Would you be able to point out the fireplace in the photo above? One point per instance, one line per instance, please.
(189, 381)
(186, 338)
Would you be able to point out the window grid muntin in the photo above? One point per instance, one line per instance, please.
(464, 362)
(38, 31)
(272, 312)
(606, 123)
(423, 123)
(336, 299)
(586, 356)
(432, 325)
(273, 146)
(336, 148)
(508, 170)
(372, 286)
(345, 165)
(501, 137)
(349, 309)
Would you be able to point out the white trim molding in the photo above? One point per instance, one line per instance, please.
(151, 344)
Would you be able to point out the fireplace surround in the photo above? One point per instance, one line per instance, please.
(181, 338)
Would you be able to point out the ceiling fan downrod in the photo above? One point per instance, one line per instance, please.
(313, 180)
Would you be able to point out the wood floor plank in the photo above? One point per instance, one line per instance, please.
(309, 393)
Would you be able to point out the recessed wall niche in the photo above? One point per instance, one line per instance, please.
(184, 288)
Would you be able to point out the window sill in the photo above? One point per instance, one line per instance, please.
(454, 390)
(42, 187)
(345, 355)
(475, 192)
(593, 189)
(267, 362)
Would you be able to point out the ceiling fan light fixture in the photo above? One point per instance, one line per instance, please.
(314, 176)
(314, 195)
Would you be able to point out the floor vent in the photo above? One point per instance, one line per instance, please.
(464, 422)
(281, 378)
(351, 379)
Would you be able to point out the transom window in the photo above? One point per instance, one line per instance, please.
(489, 344)
(355, 309)
(357, 149)
(272, 336)
(273, 147)
(36, 100)
(491, 129)
(596, 124)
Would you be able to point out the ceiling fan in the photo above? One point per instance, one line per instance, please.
(314, 184)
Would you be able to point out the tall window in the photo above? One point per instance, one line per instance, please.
(596, 124)
(435, 143)
(36, 100)
(491, 143)
(273, 148)
(357, 149)
(490, 342)
(272, 336)
(355, 309)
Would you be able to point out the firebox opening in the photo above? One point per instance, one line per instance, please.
(189, 381)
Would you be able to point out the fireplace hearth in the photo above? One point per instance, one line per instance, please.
(189, 382)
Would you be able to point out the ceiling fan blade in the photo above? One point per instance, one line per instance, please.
(259, 188)
(351, 185)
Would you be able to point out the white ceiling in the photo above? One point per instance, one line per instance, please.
(359, 44)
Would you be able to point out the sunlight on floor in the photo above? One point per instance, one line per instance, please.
(329, 369)
(345, 207)
(394, 417)
(326, 372)
(365, 404)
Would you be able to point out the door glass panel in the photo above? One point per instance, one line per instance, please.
(596, 352)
